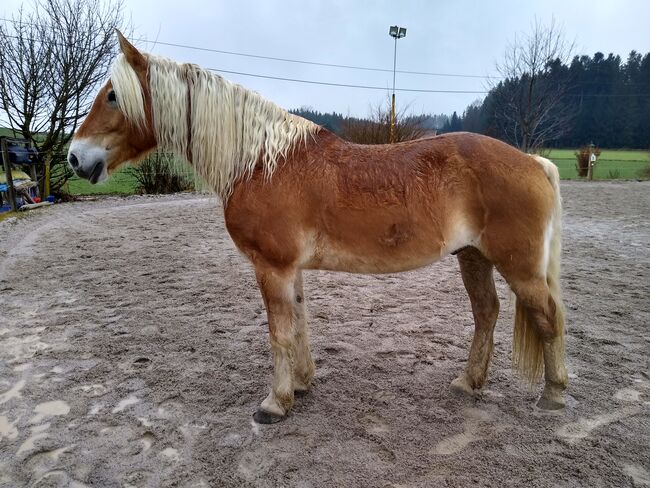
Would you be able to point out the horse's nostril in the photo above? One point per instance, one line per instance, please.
(74, 162)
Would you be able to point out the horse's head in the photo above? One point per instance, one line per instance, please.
(119, 126)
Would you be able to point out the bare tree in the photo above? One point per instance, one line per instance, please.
(376, 129)
(52, 58)
(529, 101)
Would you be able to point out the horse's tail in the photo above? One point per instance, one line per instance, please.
(528, 344)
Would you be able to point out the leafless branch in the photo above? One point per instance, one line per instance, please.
(529, 101)
(52, 58)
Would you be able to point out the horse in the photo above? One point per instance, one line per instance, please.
(297, 197)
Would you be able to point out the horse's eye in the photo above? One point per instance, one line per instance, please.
(111, 96)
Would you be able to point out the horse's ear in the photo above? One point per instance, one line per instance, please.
(131, 53)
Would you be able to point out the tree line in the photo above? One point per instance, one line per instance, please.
(605, 101)
(595, 99)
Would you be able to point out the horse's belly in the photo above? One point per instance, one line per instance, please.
(339, 257)
(393, 249)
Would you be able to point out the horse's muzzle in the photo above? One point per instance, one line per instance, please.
(87, 161)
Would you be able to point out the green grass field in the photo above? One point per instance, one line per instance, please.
(6, 132)
(612, 164)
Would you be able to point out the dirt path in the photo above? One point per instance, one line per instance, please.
(133, 351)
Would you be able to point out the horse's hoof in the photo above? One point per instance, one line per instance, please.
(263, 417)
(551, 403)
(460, 385)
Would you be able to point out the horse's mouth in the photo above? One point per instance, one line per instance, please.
(93, 175)
(96, 172)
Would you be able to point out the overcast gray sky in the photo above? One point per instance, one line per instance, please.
(455, 37)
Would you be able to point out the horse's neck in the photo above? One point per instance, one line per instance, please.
(224, 130)
(225, 150)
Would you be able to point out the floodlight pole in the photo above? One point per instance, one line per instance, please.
(397, 33)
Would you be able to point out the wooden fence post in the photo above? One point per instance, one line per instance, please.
(10, 180)
(592, 162)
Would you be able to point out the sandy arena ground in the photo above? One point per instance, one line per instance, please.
(134, 350)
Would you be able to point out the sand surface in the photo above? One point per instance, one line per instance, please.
(134, 350)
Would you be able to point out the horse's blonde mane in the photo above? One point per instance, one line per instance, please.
(232, 129)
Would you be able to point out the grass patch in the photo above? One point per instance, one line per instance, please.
(119, 183)
(612, 164)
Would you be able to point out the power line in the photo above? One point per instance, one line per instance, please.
(345, 85)
(315, 63)
(332, 65)
(407, 90)
(296, 61)
(416, 90)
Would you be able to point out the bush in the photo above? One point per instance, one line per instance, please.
(644, 173)
(160, 173)
(582, 157)
(376, 129)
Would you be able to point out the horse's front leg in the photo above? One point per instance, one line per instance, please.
(304, 364)
(278, 292)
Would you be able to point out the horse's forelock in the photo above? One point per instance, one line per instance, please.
(128, 91)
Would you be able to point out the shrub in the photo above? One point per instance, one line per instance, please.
(376, 129)
(644, 173)
(582, 157)
(160, 173)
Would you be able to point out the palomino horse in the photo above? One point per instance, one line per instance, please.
(297, 197)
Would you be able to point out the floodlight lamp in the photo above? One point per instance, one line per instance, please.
(394, 30)
(402, 32)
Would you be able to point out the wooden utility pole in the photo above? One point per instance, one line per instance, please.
(46, 183)
(10, 180)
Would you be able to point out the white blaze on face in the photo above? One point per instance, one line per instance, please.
(88, 160)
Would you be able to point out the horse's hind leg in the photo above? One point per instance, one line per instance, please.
(476, 271)
(555, 375)
(539, 339)
(277, 287)
(304, 365)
